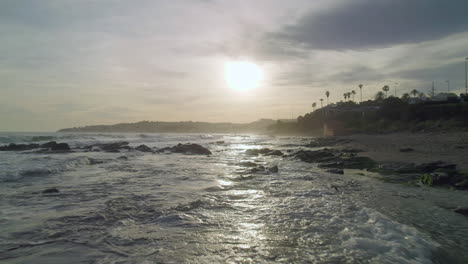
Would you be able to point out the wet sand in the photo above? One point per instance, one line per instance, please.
(446, 146)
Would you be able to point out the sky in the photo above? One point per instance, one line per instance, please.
(68, 63)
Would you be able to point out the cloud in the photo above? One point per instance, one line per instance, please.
(364, 24)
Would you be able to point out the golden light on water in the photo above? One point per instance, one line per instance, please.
(243, 75)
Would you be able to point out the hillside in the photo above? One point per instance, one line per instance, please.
(178, 127)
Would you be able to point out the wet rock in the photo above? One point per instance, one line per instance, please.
(256, 152)
(406, 150)
(114, 147)
(187, 149)
(313, 156)
(144, 148)
(433, 166)
(273, 169)
(50, 190)
(19, 147)
(274, 153)
(248, 164)
(258, 169)
(60, 147)
(336, 171)
(462, 210)
(122, 158)
(462, 185)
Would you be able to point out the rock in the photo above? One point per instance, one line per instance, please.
(60, 147)
(256, 152)
(49, 144)
(462, 185)
(336, 171)
(406, 150)
(144, 148)
(114, 147)
(122, 158)
(220, 142)
(258, 169)
(248, 164)
(273, 169)
(274, 153)
(313, 156)
(187, 149)
(19, 147)
(433, 166)
(462, 210)
(50, 190)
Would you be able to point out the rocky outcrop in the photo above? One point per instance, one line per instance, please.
(49, 146)
(144, 148)
(114, 147)
(19, 147)
(50, 190)
(187, 149)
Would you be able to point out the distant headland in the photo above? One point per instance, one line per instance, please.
(260, 126)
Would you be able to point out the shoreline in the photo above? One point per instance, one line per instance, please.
(405, 147)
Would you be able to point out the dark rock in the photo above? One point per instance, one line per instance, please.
(122, 158)
(19, 147)
(256, 152)
(187, 149)
(274, 153)
(50, 190)
(144, 148)
(462, 185)
(406, 150)
(258, 169)
(220, 142)
(433, 166)
(248, 164)
(461, 210)
(336, 171)
(313, 156)
(60, 147)
(49, 144)
(114, 147)
(273, 169)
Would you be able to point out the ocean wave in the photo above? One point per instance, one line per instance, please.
(48, 169)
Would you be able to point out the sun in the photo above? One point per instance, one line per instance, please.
(242, 75)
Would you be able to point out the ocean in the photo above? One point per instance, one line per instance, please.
(136, 207)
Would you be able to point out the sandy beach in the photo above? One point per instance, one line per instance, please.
(446, 146)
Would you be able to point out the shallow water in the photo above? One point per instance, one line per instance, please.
(172, 208)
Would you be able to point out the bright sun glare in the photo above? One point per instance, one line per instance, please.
(242, 75)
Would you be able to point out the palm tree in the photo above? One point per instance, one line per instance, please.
(360, 88)
(353, 93)
(345, 95)
(327, 93)
(313, 106)
(405, 96)
(349, 95)
(321, 102)
(386, 88)
(420, 95)
(379, 96)
(415, 92)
